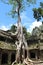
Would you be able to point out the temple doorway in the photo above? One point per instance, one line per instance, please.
(13, 57)
(4, 58)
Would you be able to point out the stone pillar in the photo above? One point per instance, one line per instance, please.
(0, 56)
(9, 58)
(36, 56)
(0, 59)
(24, 53)
(27, 52)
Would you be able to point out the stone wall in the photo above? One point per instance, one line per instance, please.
(7, 56)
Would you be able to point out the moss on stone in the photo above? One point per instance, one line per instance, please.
(4, 45)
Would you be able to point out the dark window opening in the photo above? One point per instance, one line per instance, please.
(41, 41)
(32, 55)
(2, 38)
(4, 58)
(13, 57)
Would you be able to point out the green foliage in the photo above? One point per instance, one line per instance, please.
(36, 31)
(16, 3)
(32, 1)
(41, 4)
(13, 28)
(27, 34)
(38, 12)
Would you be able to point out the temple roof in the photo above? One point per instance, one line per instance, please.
(7, 40)
(8, 35)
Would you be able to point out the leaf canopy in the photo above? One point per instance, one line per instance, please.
(15, 4)
(38, 12)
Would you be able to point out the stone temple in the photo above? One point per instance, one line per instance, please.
(8, 48)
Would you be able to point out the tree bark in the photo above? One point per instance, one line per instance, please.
(19, 32)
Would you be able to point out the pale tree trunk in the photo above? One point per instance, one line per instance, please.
(18, 36)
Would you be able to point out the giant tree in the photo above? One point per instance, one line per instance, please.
(17, 7)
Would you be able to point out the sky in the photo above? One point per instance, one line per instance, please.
(27, 18)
